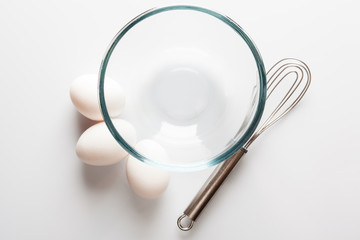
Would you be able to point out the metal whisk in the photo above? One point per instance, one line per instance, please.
(281, 71)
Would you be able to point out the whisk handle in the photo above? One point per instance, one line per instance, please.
(208, 190)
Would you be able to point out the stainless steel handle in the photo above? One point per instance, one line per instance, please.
(208, 190)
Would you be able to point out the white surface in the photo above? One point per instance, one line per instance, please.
(300, 180)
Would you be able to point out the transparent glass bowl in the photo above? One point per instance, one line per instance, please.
(194, 81)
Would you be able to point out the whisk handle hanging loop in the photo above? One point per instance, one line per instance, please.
(209, 189)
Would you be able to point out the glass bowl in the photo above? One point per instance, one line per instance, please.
(194, 81)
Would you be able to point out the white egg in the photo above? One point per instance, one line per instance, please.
(96, 146)
(147, 181)
(84, 95)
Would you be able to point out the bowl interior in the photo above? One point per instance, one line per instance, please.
(194, 82)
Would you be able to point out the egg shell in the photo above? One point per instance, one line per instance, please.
(146, 181)
(84, 95)
(96, 146)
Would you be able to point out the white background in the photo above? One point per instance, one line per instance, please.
(300, 180)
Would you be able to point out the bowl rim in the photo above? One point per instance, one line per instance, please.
(222, 156)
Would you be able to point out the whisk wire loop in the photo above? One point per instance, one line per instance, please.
(280, 71)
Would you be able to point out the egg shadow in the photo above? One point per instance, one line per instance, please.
(146, 213)
(100, 177)
(144, 207)
(83, 123)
